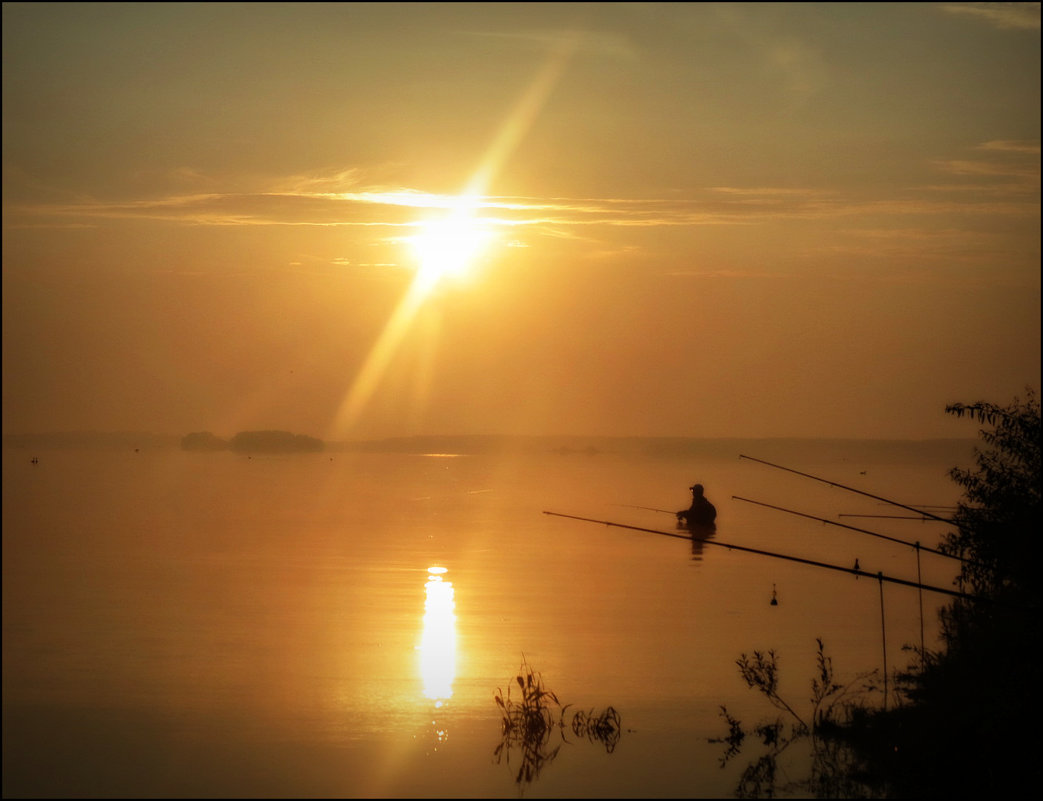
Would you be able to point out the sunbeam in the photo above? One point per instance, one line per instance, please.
(448, 245)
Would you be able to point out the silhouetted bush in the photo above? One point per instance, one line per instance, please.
(274, 442)
(967, 727)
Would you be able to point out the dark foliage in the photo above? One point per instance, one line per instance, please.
(274, 442)
(967, 727)
(965, 724)
(832, 772)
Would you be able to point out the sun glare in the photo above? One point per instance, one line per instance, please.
(448, 247)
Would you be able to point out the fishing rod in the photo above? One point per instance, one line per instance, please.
(850, 489)
(916, 545)
(646, 508)
(893, 517)
(853, 570)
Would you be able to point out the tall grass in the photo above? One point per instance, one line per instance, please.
(531, 714)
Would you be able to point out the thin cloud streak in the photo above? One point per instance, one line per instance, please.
(1020, 16)
(995, 185)
(1011, 146)
(967, 167)
(719, 206)
(1003, 184)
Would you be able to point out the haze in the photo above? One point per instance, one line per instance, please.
(706, 220)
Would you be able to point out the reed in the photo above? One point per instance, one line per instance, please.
(530, 715)
(832, 705)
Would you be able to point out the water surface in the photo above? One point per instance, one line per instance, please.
(186, 624)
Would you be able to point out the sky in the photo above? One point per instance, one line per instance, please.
(357, 221)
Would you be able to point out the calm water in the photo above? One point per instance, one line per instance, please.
(179, 624)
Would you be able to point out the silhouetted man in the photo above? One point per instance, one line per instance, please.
(701, 512)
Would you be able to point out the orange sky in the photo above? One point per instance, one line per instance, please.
(701, 219)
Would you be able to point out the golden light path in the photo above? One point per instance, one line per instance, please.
(446, 246)
(438, 642)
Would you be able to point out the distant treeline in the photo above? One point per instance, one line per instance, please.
(864, 451)
(253, 442)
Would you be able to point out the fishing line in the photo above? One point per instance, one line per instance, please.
(853, 528)
(812, 562)
(850, 489)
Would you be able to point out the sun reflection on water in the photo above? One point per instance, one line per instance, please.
(438, 642)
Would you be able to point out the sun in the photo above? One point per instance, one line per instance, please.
(447, 247)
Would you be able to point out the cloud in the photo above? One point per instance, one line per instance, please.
(1000, 176)
(969, 167)
(1014, 161)
(407, 208)
(1023, 16)
(1012, 146)
(321, 182)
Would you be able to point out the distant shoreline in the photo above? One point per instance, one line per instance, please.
(565, 446)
